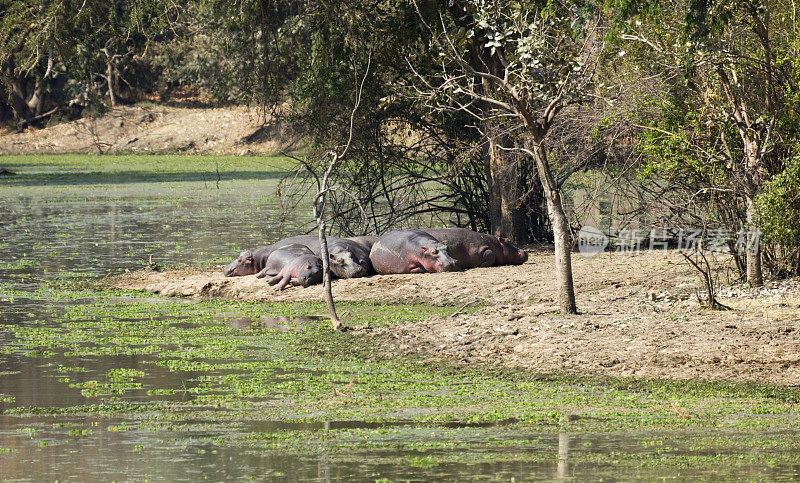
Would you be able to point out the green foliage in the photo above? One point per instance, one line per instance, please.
(725, 116)
(779, 207)
(237, 51)
(674, 148)
(62, 50)
(536, 44)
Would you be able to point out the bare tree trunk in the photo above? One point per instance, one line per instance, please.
(752, 135)
(319, 213)
(22, 112)
(37, 100)
(507, 215)
(562, 236)
(753, 249)
(17, 95)
(755, 276)
(563, 248)
(506, 212)
(110, 80)
(493, 183)
(26, 108)
(326, 274)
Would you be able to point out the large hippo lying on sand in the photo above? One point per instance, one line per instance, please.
(292, 263)
(410, 251)
(472, 249)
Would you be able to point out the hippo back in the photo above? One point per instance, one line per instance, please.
(348, 259)
(280, 257)
(366, 240)
(410, 251)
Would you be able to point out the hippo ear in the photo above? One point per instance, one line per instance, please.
(330, 255)
(424, 249)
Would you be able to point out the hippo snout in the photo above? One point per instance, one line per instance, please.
(357, 271)
(446, 263)
(230, 269)
(448, 267)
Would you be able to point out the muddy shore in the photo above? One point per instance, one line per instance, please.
(640, 317)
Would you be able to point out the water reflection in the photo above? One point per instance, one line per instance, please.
(563, 454)
(114, 449)
(280, 323)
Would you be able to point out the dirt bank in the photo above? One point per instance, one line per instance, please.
(640, 317)
(149, 129)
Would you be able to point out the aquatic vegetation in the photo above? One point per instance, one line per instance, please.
(269, 382)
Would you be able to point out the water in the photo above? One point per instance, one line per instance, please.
(99, 387)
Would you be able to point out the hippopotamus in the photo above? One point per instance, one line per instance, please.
(509, 254)
(292, 263)
(249, 262)
(473, 249)
(348, 259)
(410, 251)
(469, 248)
(366, 240)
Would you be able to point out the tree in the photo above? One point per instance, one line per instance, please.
(779, 217)
(408, 166)
(239, 50)
(335, 156)
(27, 56)
(57, 53)
(543, 60)
(725, 68)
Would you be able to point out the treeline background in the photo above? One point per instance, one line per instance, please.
(680, 113)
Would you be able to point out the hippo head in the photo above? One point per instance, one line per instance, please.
(306, 270)
(345, 265)
(436, 259)
(243, 265)
(510, 254)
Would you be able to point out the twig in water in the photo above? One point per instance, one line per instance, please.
(345, 390)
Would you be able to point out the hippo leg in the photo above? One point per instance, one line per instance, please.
(262, 273)
(488, 258)
(281, 279)
(417, 269)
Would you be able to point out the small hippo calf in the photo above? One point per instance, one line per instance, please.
(292, 263)
(348, 259)
(410, 251)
